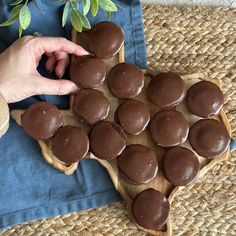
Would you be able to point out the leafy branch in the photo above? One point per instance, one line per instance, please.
(21, 12)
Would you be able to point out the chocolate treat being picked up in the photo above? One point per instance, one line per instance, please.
(125, 80)
(150, 209)
(181, 166)
(105, 40)
(205, 99)
(166, 90)
(70, 144)
(91, 105)
(169, 128)
(133, 116)
(88, 72)
(209, 138)
(137, 164)
(41, 120)
(107, 140)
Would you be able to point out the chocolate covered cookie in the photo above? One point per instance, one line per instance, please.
(209, 138)
(133, 116)
(88, 72)
(107, 140)
(105, 39)
(150, 209)
(205, 99)
(166, 90)
(137, 164)
(181, 166)
(70, 144)
(41, 120)
(169, 128)
(125, 80)
(91, 105)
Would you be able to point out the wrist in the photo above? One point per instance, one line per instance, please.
(4, 115)
(3, 94)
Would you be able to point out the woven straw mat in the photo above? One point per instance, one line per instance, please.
(185, 40)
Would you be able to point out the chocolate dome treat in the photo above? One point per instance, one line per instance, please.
(209, 138)
(107, 140)
(41, 120)
(91, 105)
(88, 72)
(133, 116)
(70, 144)
(125, 80)
(205, 99)
(169, 128)
(137, 164)
(150, 209)
(105, 39)
(166, 90)
(181, 166)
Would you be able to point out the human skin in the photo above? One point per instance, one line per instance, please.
(19, 78)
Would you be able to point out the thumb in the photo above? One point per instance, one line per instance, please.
(54, 87)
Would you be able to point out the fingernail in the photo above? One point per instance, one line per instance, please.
(50, 71)
(62, 74)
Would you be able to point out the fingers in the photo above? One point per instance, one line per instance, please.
(61, 59)
(51, 63)
(54, 87)
(61, 67)
(43, 45)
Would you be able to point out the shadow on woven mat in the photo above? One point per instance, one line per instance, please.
(185, 40)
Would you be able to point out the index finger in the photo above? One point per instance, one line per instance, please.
(53, 44)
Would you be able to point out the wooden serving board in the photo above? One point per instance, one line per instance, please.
(128, 191)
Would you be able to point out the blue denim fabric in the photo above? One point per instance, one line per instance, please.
(31, 189)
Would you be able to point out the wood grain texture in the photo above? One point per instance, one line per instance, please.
(212, 3)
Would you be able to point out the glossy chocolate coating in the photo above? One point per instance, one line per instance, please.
(205, 99)
(181, 166)
(70, 144)
(88, 72)
(150, 209)
(133, 116)
(125, 80)
(107, 140)
(105, 40)
(137, 164)
(91, 105)
(166, 90)
(209, 138)
(41, 120)
(169, 128)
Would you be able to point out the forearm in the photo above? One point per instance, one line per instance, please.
(4, 116)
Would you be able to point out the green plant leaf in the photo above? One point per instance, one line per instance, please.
(65, 13)
(75, 4)
(84, 20)
(25, 17)
(107, 5)
(38, 7)
(94, 7)
(20, 31)
(86, 8)
(108, 15)
(10, 21)
(16, 2)
(16, 10)
(76, 21)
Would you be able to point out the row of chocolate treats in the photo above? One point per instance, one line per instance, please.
(137, 163)
(42, 120)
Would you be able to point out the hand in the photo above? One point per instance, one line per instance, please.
(19, 78)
